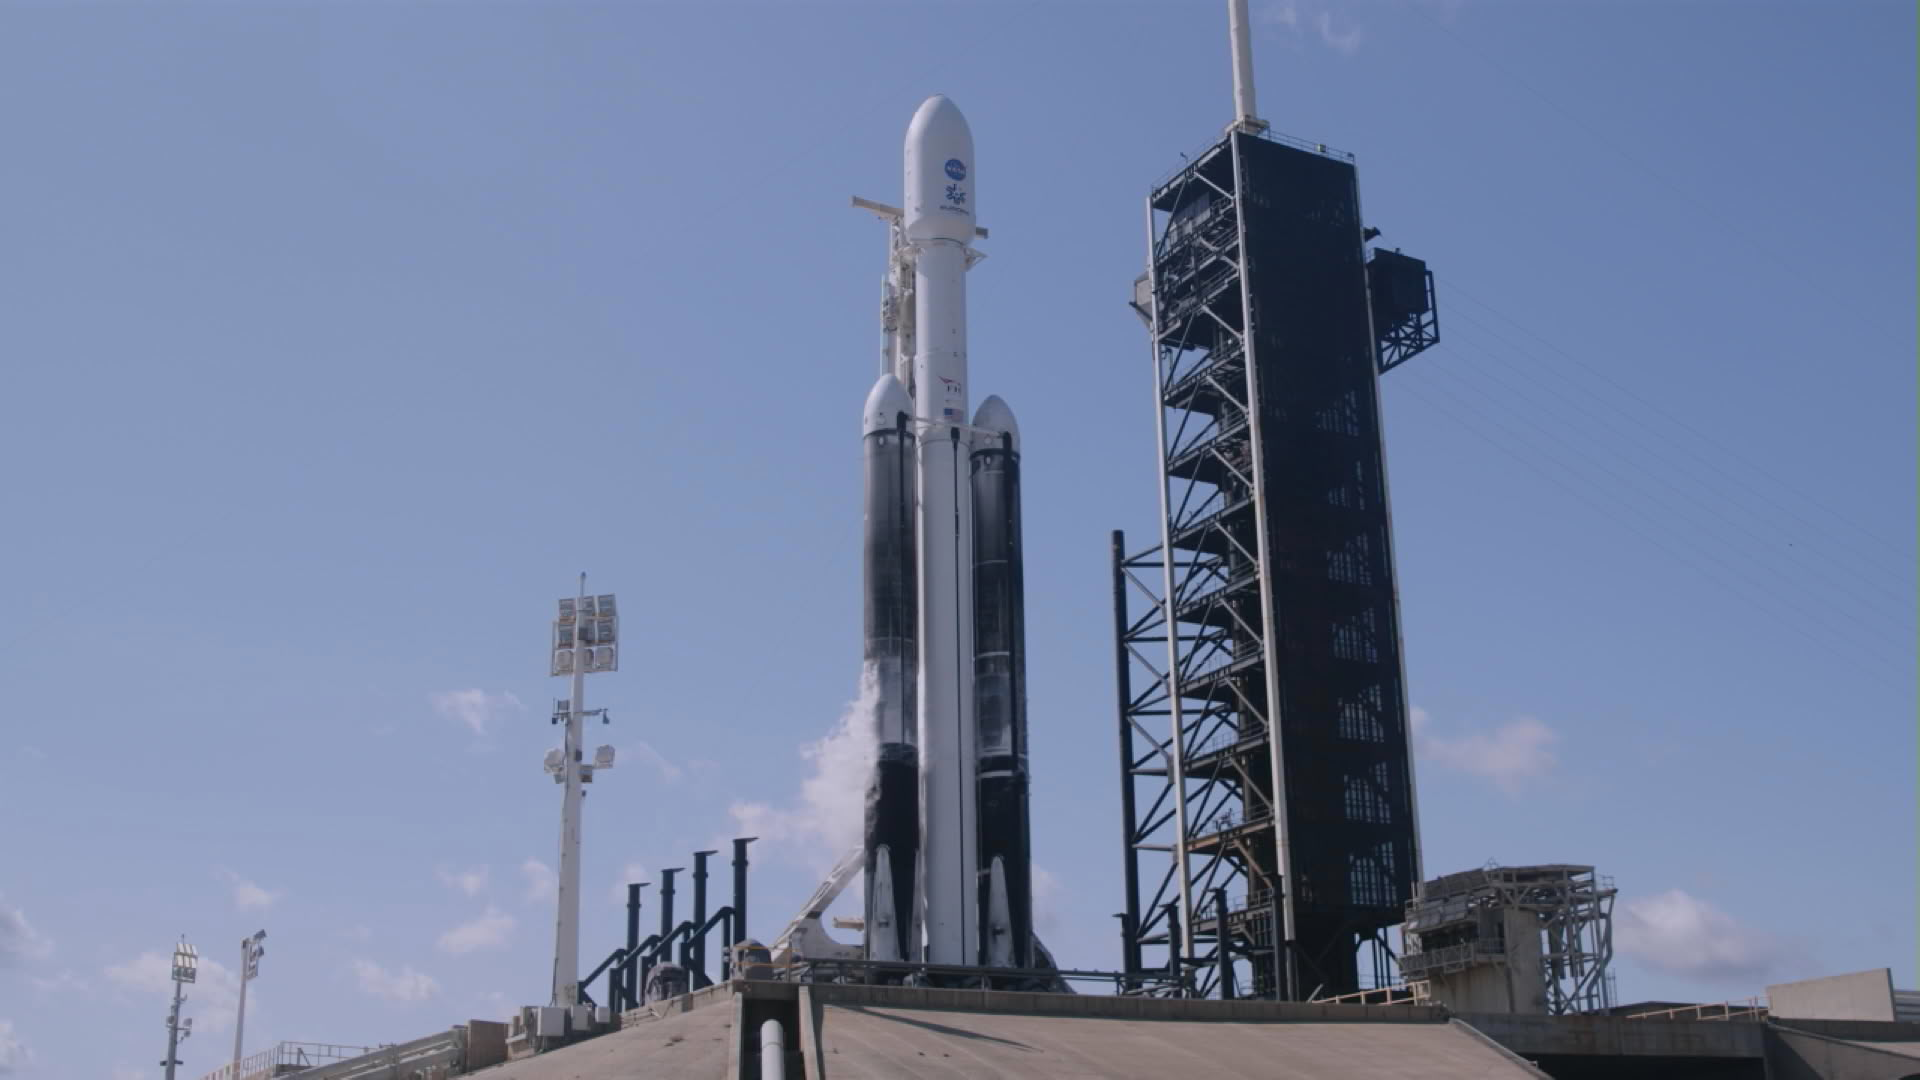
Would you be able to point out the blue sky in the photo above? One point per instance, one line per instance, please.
(339, 338)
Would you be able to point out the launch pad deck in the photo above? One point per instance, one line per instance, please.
(855, 1031)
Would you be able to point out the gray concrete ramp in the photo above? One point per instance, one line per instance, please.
(693, 1045)
(862, 1042)
(1804, 1055)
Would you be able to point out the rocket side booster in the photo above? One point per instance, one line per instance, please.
(892, 833)
(999, 691)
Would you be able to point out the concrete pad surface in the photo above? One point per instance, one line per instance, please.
(691, 1045)
(861, 1042)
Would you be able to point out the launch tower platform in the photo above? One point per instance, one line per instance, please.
(1267, 787)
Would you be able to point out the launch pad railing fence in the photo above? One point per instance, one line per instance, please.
(1268, 135)
(877, 971)
(284, 1056)
(1751, 1009)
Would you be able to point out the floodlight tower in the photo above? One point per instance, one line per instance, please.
(186, 965)
(250, 953)
(585, 640)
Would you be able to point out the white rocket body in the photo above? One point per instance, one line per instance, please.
(938, 223)
(924, 352)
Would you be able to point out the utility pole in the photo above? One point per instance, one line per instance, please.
(186, 962)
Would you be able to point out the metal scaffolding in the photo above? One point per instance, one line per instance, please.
(1262, 724)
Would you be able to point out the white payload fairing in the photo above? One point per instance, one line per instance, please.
(944, 607)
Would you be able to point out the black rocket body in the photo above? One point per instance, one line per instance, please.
(1000, 692)
(892, 832)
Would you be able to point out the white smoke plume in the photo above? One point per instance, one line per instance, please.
(830, 815)
(1680, 934)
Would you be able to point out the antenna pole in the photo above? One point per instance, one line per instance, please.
(1246, 116)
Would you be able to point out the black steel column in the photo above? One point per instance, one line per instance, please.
(1175, 969)
(725, 914)
(697, 978)
(630, 967)
(1123, 688)
(666, 909)
(740, 888)
(1223, 944)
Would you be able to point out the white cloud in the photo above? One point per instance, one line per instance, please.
(14, 1054)
(357, 932)
(248, 896)
(1345, 41)
(1330, 20)
(19, 941)
(1681, 934)
(472, 882)
(1511, 756)
(216, 993)
(1047, 894)
(645, 752)
(62, 983)
(488, 931)
(477, 709)
(632, 872)
(1284, 13)
(403, 985)
(829, 817)
(541, 882)
(1449, 10)
(128, 1072)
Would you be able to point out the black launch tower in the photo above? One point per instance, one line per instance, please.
(1267, 781)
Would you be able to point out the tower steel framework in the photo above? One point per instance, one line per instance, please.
(1267, 785)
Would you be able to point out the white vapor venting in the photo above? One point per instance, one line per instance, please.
(826, 821)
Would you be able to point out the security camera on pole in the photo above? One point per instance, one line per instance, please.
(250, 953)
(585, 640)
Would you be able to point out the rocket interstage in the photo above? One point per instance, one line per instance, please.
(944, 616)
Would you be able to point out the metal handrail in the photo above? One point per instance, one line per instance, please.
(267, 1062)
(1269, 135)
(1413, 993)
(1465, 953)
(1750, 1009)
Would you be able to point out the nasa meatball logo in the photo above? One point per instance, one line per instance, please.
(956, 169)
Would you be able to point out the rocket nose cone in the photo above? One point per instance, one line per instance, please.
(939, 117)
(994, 415)
(940, 201)
(885, 403)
